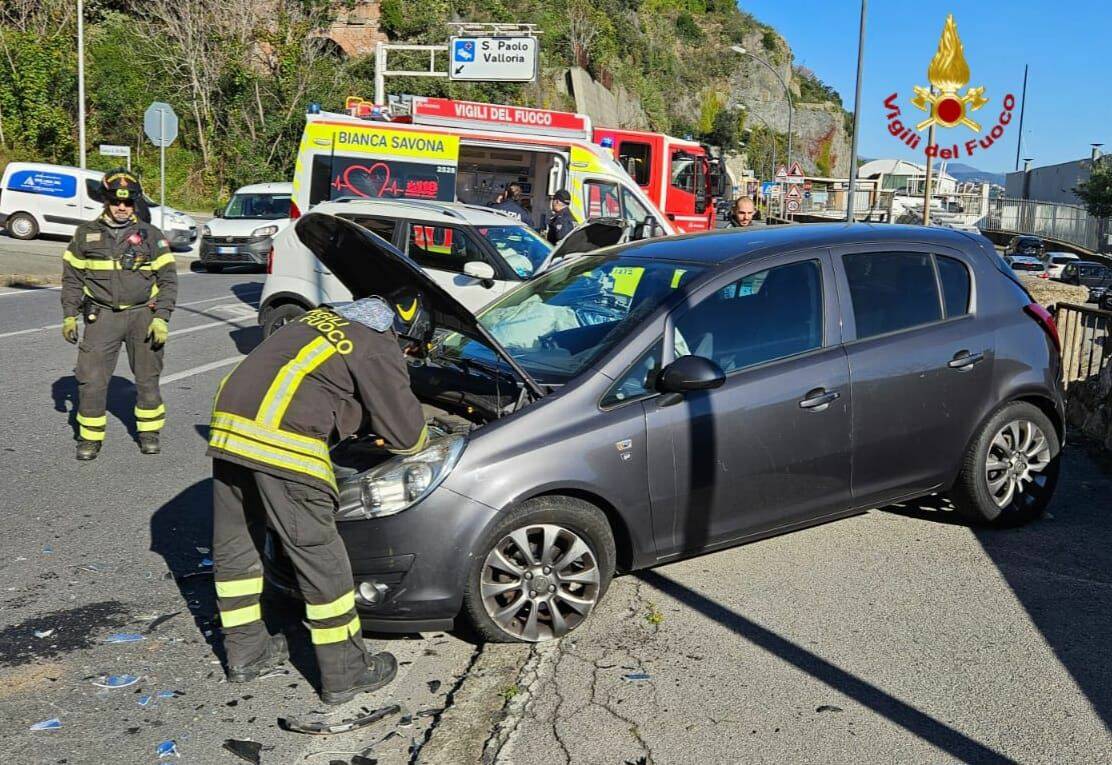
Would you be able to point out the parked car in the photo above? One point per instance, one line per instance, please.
(243, 230)
(1026, 245)
(37, 198)
(475, 253)
(661, 399)
(1057, 262)
(1096, 276)
(1028, 266)
(1105, 300)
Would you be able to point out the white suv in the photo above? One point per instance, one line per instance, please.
(474, 253)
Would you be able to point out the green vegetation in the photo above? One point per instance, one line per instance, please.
(654, 616)
(241, 75)
(509, 692)
(1096, 192)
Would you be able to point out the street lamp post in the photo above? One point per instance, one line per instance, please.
(81, 80)
(856, 118)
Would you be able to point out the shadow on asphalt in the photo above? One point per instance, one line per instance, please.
(936, 732)
(121, 401)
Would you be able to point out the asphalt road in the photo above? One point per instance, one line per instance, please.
(117, 544)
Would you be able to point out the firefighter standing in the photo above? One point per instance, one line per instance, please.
(317, 378)
(119, 274)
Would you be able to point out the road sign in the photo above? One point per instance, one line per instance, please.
(767, 187)
(795, 171)
(493, 59)
(794, 193)
(782, 173)
(160, 124)
(793, 205)
(806, 194)
(109, 150)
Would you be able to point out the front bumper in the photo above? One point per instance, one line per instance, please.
(180, 238)
(230, 251)
(418, 560)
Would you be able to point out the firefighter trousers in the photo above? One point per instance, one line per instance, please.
(245, 503)
(96, 361)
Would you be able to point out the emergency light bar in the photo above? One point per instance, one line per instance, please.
(501, 118)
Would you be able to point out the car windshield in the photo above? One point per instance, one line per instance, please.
(561, 322)
(522, 248)
(264, 206)
(1029, 242)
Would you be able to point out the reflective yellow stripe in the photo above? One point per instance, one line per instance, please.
(338, 607)
(326, 635)
(161, 261)
(243, 447)
(90, 435)
(146, 426)
(148, 413)
(72, 259)
(677, 275)
(289, 377)
(237, 588)
(93, 422)
(241, 616)
(422, 442)
(279, 439)
(96, 264)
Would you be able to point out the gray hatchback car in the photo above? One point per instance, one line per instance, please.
(671, 397)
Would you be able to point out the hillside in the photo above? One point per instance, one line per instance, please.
(240, 75)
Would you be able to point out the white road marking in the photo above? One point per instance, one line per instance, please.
(238, 310)
(210, 325)
(199, 370)
(36, 290)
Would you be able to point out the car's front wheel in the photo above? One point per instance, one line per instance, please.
(280, 316)
(540, 572)
(1010, 472)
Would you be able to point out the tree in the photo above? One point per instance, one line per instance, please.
(1096, 192)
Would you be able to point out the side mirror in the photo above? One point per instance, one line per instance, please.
(689, 373)
(219, 211)
(481, 271)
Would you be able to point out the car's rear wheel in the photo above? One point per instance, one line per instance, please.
(280, 316)
(1010, 472)
(21, 225)
(540, 572)
(213, 268)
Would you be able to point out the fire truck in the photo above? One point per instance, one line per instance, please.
(680, 176)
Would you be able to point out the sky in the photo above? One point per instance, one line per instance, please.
(1069, 85)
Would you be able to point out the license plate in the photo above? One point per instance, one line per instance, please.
(226, 250)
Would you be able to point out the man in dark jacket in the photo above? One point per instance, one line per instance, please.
(315, 381)
(510, 201)
(560, 223)
(119, 274)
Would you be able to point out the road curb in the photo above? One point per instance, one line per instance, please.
(476, 708)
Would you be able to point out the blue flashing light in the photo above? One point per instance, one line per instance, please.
(314, 108)
(607, 142)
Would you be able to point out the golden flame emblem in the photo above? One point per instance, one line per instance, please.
(948, 73)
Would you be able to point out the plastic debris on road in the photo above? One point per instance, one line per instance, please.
(144, 700)
(47, 550)
(246, 750)
(124, 637)
(169, 694)
(167, 749)
(324, 728)
(828, 708)
(434, 686)
(274, 673)
(116, 681)
(637, 676)
(52, 724)
(44, 633)
(160, 621)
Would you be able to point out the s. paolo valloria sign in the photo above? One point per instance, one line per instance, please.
(947, 106)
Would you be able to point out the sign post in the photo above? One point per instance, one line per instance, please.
(493, 59)
(108, 150)
(160, 123)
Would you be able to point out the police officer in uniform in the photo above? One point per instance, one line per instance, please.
(118, 273)
(560, 223)
(320, 378)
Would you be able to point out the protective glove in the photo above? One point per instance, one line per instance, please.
(69, 329)
(158, 332)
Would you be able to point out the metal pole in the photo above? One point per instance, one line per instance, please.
(856, 114)
(162, 169)
(81, 81)
(380, 73)
(927, 177)
(1022, 108)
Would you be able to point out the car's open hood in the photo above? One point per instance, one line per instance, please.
(369, 265)
(587, 237)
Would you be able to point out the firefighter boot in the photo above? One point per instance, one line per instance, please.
(381, 669)
(148, 443)
(87, 450)
(272, 657)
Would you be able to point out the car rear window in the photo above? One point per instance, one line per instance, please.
(891, 291)
(955, 285)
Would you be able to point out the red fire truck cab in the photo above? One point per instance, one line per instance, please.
(679, 176)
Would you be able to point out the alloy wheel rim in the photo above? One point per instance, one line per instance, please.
(1018, 456)
(540, 582)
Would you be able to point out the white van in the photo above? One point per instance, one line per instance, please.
(241, 231)
(37, 198)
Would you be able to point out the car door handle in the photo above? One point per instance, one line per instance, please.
(965, 360)
(819, 399)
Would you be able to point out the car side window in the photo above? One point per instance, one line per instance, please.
(955, 285)
(639, 381)
(891, 291)
(384, 227)
(761, 317)
(441, 247)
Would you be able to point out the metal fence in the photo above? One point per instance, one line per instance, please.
(1086, 335)
(1052, 220)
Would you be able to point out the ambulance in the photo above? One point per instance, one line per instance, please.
(680, 176)
(463, 151)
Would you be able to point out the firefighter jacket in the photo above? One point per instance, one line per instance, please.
(119, 267)
(313, 382)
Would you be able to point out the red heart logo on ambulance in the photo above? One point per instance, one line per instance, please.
(367, 181)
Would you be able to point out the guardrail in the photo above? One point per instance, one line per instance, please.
(1086, 335)
(1066, 223)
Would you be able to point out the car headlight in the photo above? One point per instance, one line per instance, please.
(206, 231)
(401, 482)
(265, 231)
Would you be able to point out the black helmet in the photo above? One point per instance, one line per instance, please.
(412, 320)
(121, 184)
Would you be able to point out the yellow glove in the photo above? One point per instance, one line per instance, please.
(158, 332)
(69, 329)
